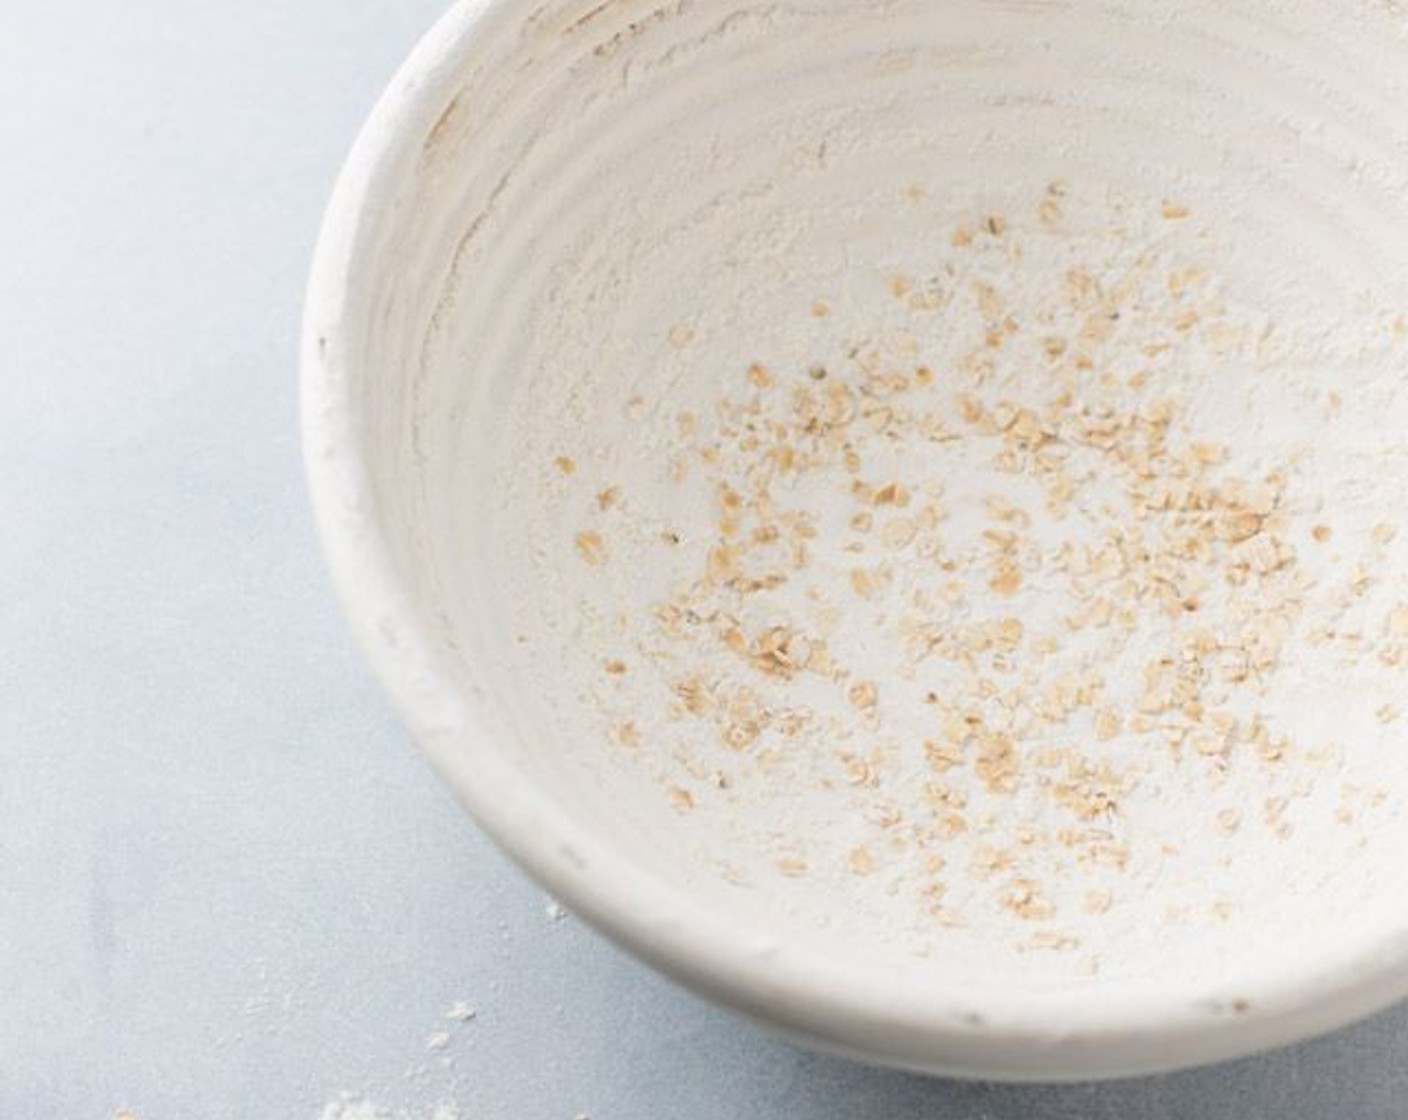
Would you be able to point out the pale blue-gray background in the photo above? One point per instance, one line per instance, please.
(228, 886)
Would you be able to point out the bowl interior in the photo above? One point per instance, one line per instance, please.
(921, 481)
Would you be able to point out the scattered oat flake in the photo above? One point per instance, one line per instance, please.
(1024, 898)
(590, 547)
(628, 735)
(759, 376)
(681, 798)
(891, 494)
(1051, 939)
(1007, 578)
(863, 694)
(565, 465)
(897, 533)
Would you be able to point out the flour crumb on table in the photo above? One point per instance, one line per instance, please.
(461, 1012)
(349, 1107)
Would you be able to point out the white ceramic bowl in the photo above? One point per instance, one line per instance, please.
(570, 222)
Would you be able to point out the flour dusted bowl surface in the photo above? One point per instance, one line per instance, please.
(892, 509)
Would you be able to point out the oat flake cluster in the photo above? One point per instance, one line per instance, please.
(1059, 577)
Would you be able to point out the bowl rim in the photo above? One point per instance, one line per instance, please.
(866, 1010)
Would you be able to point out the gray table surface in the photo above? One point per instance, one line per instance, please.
(228, 885)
